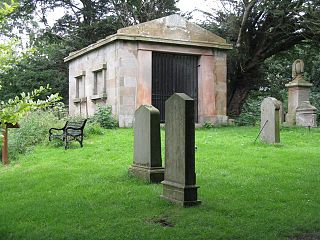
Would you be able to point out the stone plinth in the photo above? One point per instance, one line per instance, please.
(270, 120)
(306, 115)
(299, 91)
(179, 183)
(147, 162)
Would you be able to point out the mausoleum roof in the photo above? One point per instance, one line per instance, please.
(172, 29)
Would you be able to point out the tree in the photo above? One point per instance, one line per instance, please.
(131, 12)
(13, 109)
(39, 67)
(7, 56)
(87, 21)
(258, 30)
(84, 22)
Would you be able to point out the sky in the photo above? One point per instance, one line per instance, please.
(189, 5)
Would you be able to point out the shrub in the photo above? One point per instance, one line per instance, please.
(315, 101)
(92, 129)
(250, 114)
(104, 117)
(33, 130)
(207, 125)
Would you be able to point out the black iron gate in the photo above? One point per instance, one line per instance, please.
(173, 73)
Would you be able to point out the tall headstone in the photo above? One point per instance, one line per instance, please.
(299, 93)
(147, 162)
(270, 120)
(179, 183)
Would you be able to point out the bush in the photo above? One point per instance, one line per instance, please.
(315, 101)
(92, 129)
(104, 117)
(250, 114)
(207, 125)
(33, 130)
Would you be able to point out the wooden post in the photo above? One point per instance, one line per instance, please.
(5, 146)
(5, 142)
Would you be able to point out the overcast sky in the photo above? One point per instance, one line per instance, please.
(189, 5)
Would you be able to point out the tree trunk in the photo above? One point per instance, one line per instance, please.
(242, 82)
(236, 100)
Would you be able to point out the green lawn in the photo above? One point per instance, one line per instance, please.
(248, 191)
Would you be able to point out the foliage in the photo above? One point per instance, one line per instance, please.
(258, 30)
(7, 56)
(135, 12)
(33, 130)
(84, 22)
(14, 109)
(6, 8)
(44, 65)
(250, 114)
(104, 117)
(278, 71)
(207, 125)
(93, 128)
(315, 101)
(248, 191)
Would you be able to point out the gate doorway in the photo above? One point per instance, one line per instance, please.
(173, 73)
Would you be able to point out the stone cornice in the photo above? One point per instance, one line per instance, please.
(130, 37)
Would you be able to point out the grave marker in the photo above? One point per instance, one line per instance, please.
(270, 120)
(147, 163)
(179, 183)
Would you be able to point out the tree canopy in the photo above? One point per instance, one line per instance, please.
(258, 30)
(83, 22)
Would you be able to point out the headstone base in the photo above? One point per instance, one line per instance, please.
(152, 175)
(184, 195)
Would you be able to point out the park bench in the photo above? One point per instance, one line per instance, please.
(72, 131)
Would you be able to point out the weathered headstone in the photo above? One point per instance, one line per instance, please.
(270, 120)
(179, 183)
(299, 93)
(147, 162)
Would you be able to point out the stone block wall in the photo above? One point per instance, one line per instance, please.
(88, 64)
(120, 59)
(128, 80)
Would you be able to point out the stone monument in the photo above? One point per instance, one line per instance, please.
(270, 120)
(306, 115)
(179, 183)
(298, 99)
(147, 162)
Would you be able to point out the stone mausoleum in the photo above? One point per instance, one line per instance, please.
(146, 64)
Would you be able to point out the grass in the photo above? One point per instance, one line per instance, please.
(248, 191)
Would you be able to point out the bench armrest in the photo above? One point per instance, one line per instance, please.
(57, 129)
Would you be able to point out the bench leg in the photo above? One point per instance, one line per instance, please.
(65, 142)
(81, 140)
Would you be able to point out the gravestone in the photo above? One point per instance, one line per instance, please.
(299, 94)
(270, 120)
(179, 183)
(147, 162)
